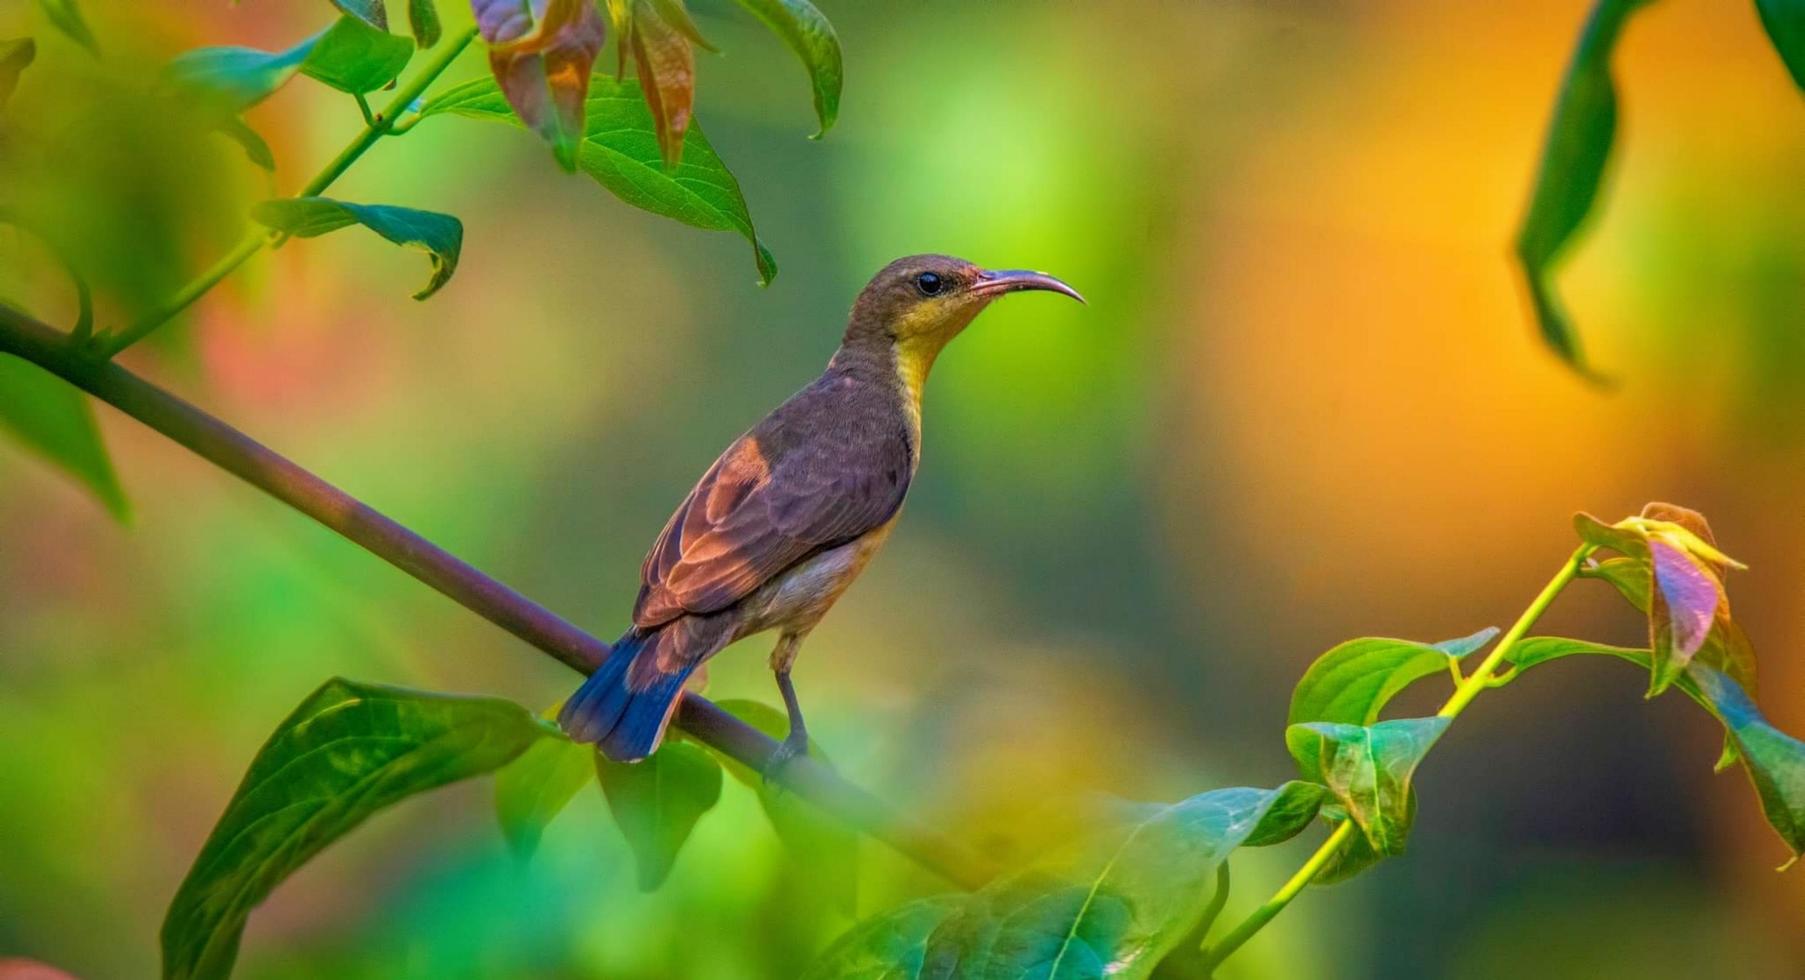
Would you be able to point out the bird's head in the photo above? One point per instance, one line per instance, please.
(917, 304)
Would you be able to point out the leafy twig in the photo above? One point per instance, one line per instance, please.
(1479, 680)
(239, 454)
(374, 129)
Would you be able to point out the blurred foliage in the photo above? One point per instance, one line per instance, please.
(1284, 417)
(1579, 145)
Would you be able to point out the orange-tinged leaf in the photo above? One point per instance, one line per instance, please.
(667, 74)
(541, 53)
(677, 15)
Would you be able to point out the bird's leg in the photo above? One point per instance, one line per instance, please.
(796, 742)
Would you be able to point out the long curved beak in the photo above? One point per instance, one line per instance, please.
(995, 282)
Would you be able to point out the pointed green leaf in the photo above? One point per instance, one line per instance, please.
(1774, 760)
(1369, 769)
(533, 789)
(808, 33)
(348, 751)
(1631, 578)
(1295, 805)
(1627, 541)
(56, 421)
(1573, 161)
(620, 151)
(441, 236)
(658, 801)
(823, 850)
(887, 946)
(423, 22)
(15, 56)
(65, 16)
(354, 57)
(1785, 23)
(1112, 906)
(1356, 855)
(1353, 681)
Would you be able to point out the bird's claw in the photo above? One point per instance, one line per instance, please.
(787, 752)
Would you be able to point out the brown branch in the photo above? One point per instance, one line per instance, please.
(256, 464)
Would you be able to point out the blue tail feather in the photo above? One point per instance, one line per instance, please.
(625, 724)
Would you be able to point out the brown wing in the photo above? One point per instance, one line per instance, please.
(815, 473)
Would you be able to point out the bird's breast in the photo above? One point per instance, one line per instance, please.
(797, 598)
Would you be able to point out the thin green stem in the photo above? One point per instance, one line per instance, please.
(1463, 695)
(374, 129)
(1477, 680)
(1214, 956)
(363, 106)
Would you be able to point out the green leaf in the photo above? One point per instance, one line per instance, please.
(354, 57)
(1573, 161)
(1673, 572)
(657, 802)
(350, 56)
(423, 22)
(56, 421)
(348, 751)
(533, 789)
(1295, 806)
(65, 16)
(1112, 906)
(892, 946)
(1353, 681)
(1631, 578)
(441, 236)
(620, 151)
(1354, 857)
(1369, 769)
(1785, 23)
(1774, 760)
(808, 33)
(15, 56)
(825, 852)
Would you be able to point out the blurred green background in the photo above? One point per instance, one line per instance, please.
(1304, 404)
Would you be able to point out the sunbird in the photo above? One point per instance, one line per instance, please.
(792, 512)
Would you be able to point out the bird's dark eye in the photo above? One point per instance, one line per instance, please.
(929, 283)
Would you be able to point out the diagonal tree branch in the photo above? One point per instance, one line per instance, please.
(263, 468)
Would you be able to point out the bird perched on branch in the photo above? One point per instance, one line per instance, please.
(791, 513)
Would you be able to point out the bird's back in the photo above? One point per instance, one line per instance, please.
(831, 463)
